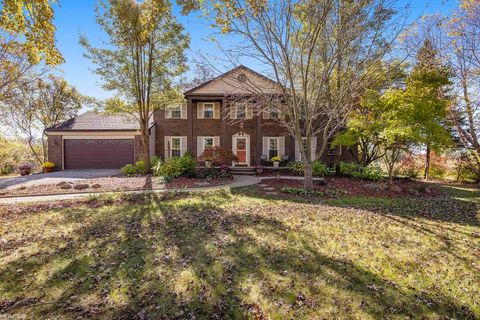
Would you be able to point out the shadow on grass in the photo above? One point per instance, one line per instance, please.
(459, 204)
(195, 258)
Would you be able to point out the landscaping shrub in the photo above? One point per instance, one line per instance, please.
(212, 174)
(176, 167)
(313, 193)
(350, 169)
(465, 169)
(218, 156)
(319, 169)
(128, 170)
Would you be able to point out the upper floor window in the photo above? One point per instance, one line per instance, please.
(273, 113)
(241, 111)
(176, 112)
(208, 110)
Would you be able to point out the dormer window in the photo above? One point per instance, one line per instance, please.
(208, 110)
(273, 113)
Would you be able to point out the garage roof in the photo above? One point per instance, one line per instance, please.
(96, 121)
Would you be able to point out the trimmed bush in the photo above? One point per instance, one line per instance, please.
(319, 169)
(128, 170)
(176, 167)
(211, 174)
(350, 169)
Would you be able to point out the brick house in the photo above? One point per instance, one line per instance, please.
(94, 140)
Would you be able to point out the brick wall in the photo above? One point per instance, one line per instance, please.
(54, 151)
(226, 128)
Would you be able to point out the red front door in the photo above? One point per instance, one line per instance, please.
(241, 150)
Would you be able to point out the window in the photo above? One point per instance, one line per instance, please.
(208, 110)
(176, 112)
(207, 142)
(241, 111)
(304, 143)
(273, 113)
(272, 148)
(175, 147)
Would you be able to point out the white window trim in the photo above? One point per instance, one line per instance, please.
(205, 140)
(268, 145)
(204, 110)
(171, 145)
(244, 105)
(174, 109)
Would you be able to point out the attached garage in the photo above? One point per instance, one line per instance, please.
(95, 140)
(98, 153)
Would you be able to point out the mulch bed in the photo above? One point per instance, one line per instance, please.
(356, 187)
(115, 184)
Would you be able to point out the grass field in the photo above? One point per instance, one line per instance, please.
(238, 255)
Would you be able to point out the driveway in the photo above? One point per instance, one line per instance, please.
(56, 177)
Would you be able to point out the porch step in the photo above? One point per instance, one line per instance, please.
(246, 171)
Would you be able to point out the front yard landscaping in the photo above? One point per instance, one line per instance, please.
(243, 254)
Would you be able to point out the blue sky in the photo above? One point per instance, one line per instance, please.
(75, 17)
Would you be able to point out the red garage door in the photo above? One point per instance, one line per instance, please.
(98, 153)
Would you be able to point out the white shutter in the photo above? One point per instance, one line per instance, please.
(216, 110)
(281, 146)
(297, 150)
(265, 146)
(314, 147)
(184, 110)
(200, 113)
(168, 113)
(199, 146)
(216, 141)
(249, 111)
(183, 145)
(266, 113)
(233, 112)
(166, 153)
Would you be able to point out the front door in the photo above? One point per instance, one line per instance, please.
(241, 149)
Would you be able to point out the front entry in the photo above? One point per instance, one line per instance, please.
(241, 148)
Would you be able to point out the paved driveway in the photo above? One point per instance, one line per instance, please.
(56, 177)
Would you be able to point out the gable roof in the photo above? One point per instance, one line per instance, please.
(96, 121)
(229, 83)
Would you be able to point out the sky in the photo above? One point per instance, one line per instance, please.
(74, 17)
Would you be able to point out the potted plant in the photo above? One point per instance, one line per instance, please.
(276, 161)
(259, 169)
(25, 169)
(224, 168)
(208, 162)
(48, 166)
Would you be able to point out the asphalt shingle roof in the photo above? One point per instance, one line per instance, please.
(96, 121)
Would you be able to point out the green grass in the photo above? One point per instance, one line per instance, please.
(225, 255)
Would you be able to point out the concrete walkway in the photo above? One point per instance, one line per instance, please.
(239, 181)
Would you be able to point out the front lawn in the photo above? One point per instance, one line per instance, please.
(241, 255)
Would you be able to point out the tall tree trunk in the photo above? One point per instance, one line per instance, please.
(427, 163)
(146, 149)
(307, 175)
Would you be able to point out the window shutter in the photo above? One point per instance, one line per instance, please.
(216, 141)
(249, 111)
(166, 154)
(281, 146)
(297, 150)
(200, 110)
(199, 146)
(266, 113)
(184, 110)
(314, 147)
(233, 112)
(265, 146)
(183, 145)
(168, 113)
(216, 110)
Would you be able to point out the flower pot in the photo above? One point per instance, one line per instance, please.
(276, 164)
(47, 169)
(208, 164)
(259, 170)
(25, 172)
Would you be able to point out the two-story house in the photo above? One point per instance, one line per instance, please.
(94, 140)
